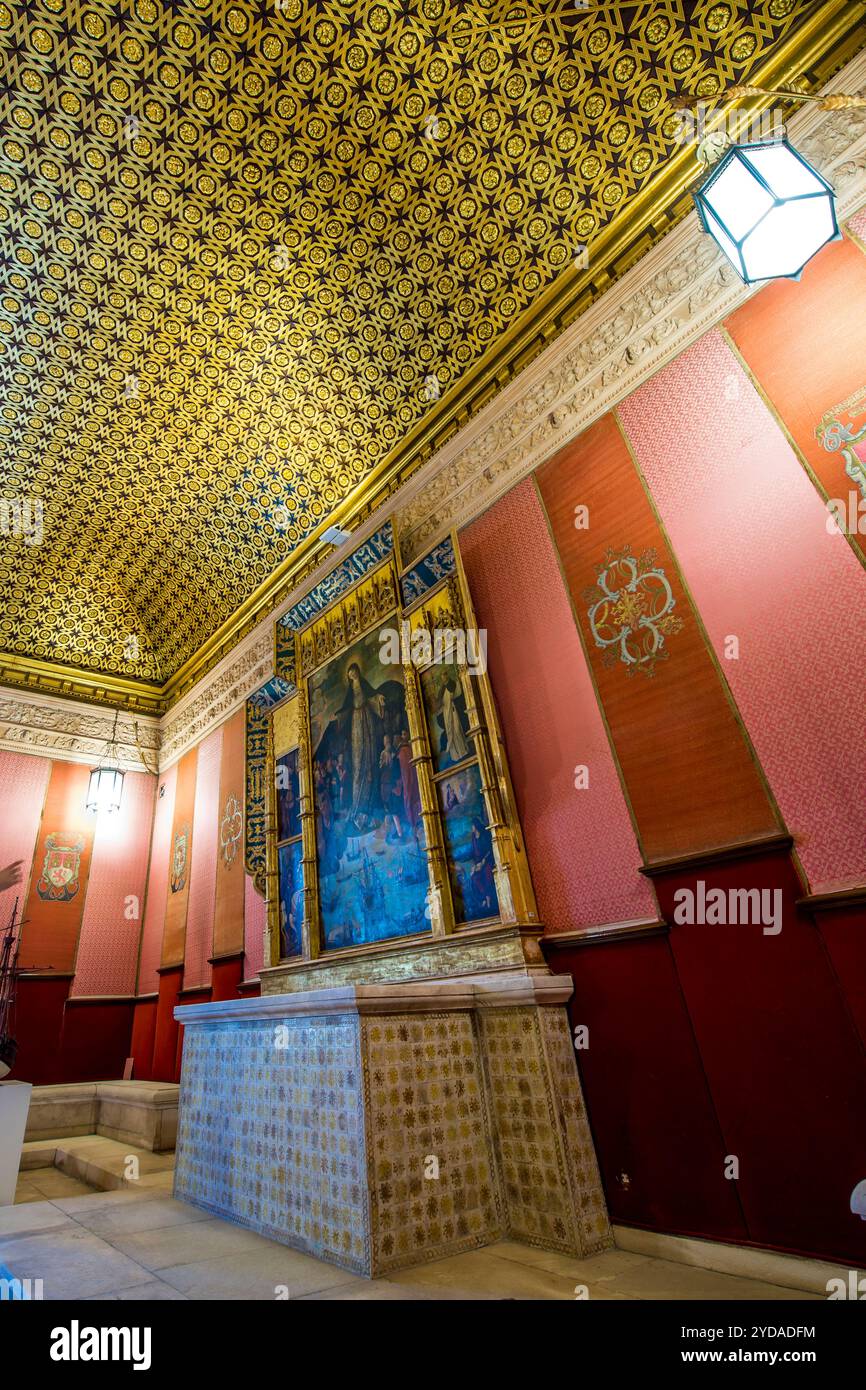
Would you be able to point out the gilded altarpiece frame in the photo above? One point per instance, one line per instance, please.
(391, 824)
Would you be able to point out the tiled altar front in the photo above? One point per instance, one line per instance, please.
(376, 1125)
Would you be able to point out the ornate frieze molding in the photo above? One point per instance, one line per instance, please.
(218, 694)
(678, 291)
(73, 732)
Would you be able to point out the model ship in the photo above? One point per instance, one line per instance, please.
(9, 945)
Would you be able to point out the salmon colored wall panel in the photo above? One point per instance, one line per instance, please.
(55, 907)
(202, 886)
(228, 923)
(749, 530)
(806, 345)
(107, 958)
(157, 884)
(23, 783)
(254, 929)
(181, 845)
(690, 775)
(581, 844)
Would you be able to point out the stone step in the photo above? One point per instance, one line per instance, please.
(103, 1163)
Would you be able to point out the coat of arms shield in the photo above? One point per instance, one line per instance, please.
(59, 879)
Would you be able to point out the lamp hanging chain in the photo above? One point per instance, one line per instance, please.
(144, 762)
(112, 747)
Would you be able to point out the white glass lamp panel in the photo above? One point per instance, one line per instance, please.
(725, 242)
(787, 175)
(105, 790)
(788, 238)
(737, 199)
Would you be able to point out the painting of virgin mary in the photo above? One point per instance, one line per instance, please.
(369, 832)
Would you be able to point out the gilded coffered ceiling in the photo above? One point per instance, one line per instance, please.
(252, 249)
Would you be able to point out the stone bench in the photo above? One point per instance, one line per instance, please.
(141, 1113)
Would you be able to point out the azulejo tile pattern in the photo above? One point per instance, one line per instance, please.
(433, 1181)
(377, 1141)
(241, 235)
(271, 1132)
(368, 555)
(256, 734)
(550, 1180)
(570, 1118)
(438, 564)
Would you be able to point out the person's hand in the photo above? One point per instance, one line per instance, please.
(10, 875)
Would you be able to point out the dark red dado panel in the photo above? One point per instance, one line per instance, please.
(658, 1140)
(165, 1037)
(143, 1038)
(227, 975)
(188, 996)
(96, 1039)
(782, 1057)
(843, 928)
(38, 1027)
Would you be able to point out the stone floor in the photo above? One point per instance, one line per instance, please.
(36, 1184)
(139, 1243)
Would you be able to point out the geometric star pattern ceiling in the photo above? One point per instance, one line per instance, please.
(240, 239)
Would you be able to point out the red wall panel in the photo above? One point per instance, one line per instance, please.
(143, 1038)
(95, 1041)
(165, 1036)
(767, 573)
(580, 841)
(805, 343)
(38, 1026)
(227, 976)
(843, 929)
(782, 1058)
(200, 996)
(108, 944)
(689, 772)
(649, 1105)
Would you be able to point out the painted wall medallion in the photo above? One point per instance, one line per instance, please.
(843, 431)
(231, 831)
(58, 882)
(631, 610)
(180, 860)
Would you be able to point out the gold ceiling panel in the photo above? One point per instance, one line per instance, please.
(246, 245)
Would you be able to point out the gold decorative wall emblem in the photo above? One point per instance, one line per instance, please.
(231, 831)
(631, 610)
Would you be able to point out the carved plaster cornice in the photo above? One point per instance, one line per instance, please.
(679, 290)
(218, 694)
(74, 732)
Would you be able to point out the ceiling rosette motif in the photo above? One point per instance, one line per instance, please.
(249, 246)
